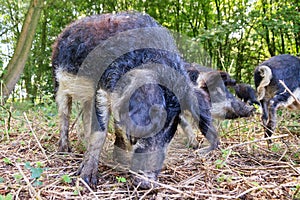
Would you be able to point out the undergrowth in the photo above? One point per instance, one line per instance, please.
(245, 167)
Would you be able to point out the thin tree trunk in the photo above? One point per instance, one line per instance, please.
(16, 64)
(297, 24)
(282, 42)
(267, 34)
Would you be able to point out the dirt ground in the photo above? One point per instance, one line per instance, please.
(245, 166)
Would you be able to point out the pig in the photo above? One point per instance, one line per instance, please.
(246, 93)
(224, 104)
(125, 65)
(271, 93)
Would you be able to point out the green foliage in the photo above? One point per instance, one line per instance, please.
(296, 194)
(9, 196)
(66, 178)
(275, 148)
(18, 177)
(224, 178)
(7, 161)
(121, 179)
(231, 35)
(220, 163)
(76, 192)
(36, 172)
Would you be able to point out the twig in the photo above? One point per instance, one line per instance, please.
(6, 129)
(259, 140)
(255, 188)
(35, 194)
(286, 149)
(18, 192)
(180, 191)
(161, 184)
(71, 128)
(289, 91)
(289, 132)
(78, 188)
(268, 168)
(88, 187)
(36, 138)
(135, 190)
(291, 166)
(142, 197)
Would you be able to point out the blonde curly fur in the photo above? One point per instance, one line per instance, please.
(266, 74)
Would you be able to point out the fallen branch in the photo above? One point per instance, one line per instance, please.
(162, 185)
(255, 141)
(296, 170)
(285, 166)
(255, 188)
(36, 138)
(88, 187)
(289, 91)
(186, 194)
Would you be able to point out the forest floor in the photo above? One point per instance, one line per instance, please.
(245, 166)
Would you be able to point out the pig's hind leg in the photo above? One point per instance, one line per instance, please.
(96, 114)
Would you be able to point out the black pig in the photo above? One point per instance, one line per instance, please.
(246, 93)
(271, 93)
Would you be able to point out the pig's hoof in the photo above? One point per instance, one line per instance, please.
(64, 147)
(206, 150)
(193, 143)
(145, 183)
(88, 171)
(121, 157)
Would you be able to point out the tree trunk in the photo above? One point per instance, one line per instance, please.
(16, 64)
(296, 25)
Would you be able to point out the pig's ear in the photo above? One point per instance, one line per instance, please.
(224, 75)
(228, 81)
(193, 74)
(213, 79)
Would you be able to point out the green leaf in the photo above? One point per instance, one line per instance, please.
(39, 164)
(37, 183)
(121, 179)
(66, 178)
(219, 163)
(27, 165)
(18, 176)
(7, 161)
(7, 197)
(255, 184)
(36, 172)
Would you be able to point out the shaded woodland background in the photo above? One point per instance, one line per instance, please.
(232, 35)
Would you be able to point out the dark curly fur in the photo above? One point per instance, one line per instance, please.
(151, 102)
(246, 93)
(273, 94)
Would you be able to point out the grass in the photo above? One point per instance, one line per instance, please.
(245, 167)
